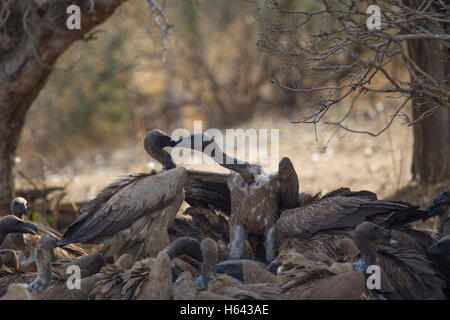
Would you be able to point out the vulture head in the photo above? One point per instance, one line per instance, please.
(370, 231)
(13, 224)
(19, 207)
(154, 143)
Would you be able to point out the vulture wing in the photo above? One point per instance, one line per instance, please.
(410, 273)
(332, 213)
(123, 202)
(208, 189)
(288, 184)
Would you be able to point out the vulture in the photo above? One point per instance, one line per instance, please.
(50, 280)
(215, 282)
(301, 278)
(408, 271)
(146, 279)
(12, 225)
(439, 253)
(131, 215)
(212, 285)
(25, 244)
(255, 196)
(322, 228)
(439, 206)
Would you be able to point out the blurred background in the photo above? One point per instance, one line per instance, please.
(87, 125)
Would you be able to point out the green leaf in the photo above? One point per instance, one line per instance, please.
(34, 215)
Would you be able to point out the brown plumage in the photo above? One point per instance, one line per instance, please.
(336, 212)
(304, 279)
(254, 195)
(326, 246)
(50, 281)
(439, 253)
(439, 206)
(206, 189)
(184, 288)
(26, 243)
(135, 210)
(209, 251)
(289, 185)
(12, 224)
(149, 278)
(9, 259)
(254, 211)
(408, 271)
(224, 286)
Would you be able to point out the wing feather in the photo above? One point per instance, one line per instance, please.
(332, 213)
(123, 202)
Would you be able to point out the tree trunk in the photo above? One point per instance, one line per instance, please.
(31, 40)
(431, 154)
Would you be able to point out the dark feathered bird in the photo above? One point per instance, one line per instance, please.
(50, 281)
(439, 206)
(408, 271)
(149, 278)
(135, 210)
(337, 212)
(12, 224)
(255, 196)
(25, 243)
(439, 253)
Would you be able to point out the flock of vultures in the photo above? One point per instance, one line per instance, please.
(248, 235)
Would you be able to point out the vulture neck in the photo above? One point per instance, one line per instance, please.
(163, 157)
(3, 231)
(367, 250)
(207, 145)
(44, 258)
(209, 255)
(3, 234)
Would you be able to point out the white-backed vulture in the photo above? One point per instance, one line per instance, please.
(408, 271)
(25, 243)
(439, 253)
(254, 195)
(12, 224)
(135, 211)
(149, 278)
(439, 206)
(322, 228)
(302, 278)
(215, 286)
(50, 281)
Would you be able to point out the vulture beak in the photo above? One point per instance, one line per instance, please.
(26, 227)
(197, 141)
(172, 143)
(23, 209)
